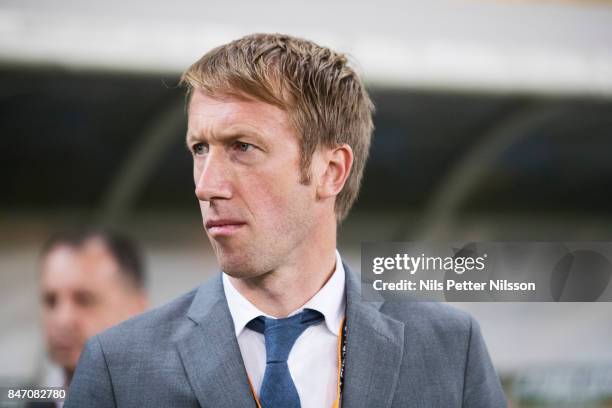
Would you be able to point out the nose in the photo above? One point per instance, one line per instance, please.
(212, 176)
(65, 315)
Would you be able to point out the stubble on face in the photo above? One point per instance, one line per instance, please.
(263, 187)
(267, 246)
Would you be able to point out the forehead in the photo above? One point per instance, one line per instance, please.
(90, 265)
(214, 115)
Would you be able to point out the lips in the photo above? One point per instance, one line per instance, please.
(223, 226)
(65, 345)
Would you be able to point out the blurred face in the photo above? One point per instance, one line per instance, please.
(83, 293)
(246, 157)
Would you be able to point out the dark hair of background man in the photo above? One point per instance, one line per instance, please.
(125, 252)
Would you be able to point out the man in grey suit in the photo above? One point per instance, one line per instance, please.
(279, 129)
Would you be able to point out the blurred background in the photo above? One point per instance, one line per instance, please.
(494, 122)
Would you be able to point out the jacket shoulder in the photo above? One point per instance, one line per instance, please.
(151, 328)
(434, 319)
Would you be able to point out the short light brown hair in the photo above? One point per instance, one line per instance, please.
(324, 98)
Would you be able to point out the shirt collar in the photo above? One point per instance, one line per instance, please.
(329, 301)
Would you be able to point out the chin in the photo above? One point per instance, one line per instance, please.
(68, 362)
(244, 261)
(238, 270)
(239, 267)
(231, 258)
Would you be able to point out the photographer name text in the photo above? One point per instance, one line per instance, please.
(450, 285)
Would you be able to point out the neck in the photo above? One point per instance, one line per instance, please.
(280, 292)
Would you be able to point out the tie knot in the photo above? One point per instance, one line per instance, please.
(281, 334)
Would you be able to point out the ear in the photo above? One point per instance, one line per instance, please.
(336, 166)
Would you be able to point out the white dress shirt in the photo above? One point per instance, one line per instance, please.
(313, 360)
(53, 377)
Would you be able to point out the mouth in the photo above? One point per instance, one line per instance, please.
(64, 347)
(223, 227)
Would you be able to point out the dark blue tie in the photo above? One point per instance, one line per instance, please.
(277, 388)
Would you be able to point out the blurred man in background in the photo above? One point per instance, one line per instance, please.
(90, 280)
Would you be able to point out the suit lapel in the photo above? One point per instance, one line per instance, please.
(213, 363)
(375, 345)
(210, 353)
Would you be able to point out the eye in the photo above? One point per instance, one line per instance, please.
(49, 300)
(244, 147)
(85, 299)
(199, 149)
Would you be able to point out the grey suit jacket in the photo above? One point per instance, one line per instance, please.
(185, 354)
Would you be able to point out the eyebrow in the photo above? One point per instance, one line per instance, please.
(232, 134)
(190, 139)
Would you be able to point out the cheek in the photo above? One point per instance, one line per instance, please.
(93, 322)
(276, 198)
(203, 206)
(49, 327)
(266, 194)
(196, 172)
(101, 319)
